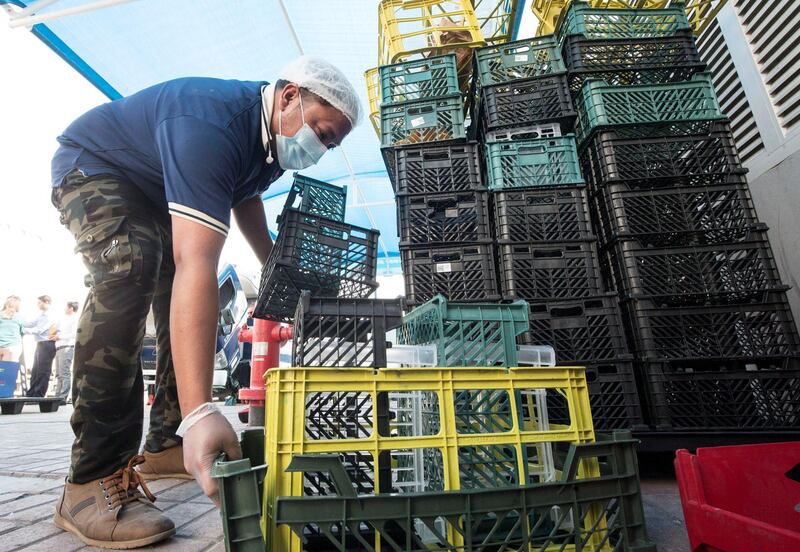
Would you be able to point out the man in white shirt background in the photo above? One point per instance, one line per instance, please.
(65, 349)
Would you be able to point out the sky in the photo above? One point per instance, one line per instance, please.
(39, 97)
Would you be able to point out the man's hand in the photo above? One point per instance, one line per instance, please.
(202, 444)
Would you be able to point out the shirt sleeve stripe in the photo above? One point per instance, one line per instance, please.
(198, 216)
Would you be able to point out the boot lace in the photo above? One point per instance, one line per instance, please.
(122, 486)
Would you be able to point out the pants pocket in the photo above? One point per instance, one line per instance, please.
(108, 249)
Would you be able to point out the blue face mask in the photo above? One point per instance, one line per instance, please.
(301, 150)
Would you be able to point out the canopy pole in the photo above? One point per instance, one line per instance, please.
(291, 27)
(22, 19)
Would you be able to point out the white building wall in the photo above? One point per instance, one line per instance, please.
(761, 41)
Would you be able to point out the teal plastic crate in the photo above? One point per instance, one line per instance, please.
(419, 79)
(523, 59)
(432, 120)
(604, 23)
(536, 162)
(601, 105)
(467, 334)
(240, 494)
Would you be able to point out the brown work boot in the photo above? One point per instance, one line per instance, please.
(111, 512)
(163, 465)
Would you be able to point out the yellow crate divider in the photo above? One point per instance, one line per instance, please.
(373, 81)
(496, 19)
(285, 423)
(699, 12)
(411, 29)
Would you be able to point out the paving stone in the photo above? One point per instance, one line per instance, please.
(207, 526)
(24, 537)
(182, 514)
(60, 542)
(27, 485)
(181, 493)
(7, 525)
(17, 509)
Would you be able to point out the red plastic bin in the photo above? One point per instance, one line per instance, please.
(741, 498)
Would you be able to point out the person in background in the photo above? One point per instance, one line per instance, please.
(11, 330)
(41, 328)
(65, 348)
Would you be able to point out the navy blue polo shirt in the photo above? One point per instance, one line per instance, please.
(192, 145)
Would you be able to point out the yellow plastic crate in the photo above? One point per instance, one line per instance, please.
(372, 78)
(410, 29)
(699, 12)
(483, 427)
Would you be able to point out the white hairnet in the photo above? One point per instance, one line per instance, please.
(326, 81)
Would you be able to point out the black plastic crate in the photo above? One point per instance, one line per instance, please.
(436, 168)
(672, 217)
(764, 329)
(612, 395)
(542, 214)
(709, 158)
(742, 394)
(738, 272)
(525, 102)
(537, 272)
(460, 217)
(631, 61)
(327, 257)
(460, 273)
(316, 198)
(332, 331)
(582, 331)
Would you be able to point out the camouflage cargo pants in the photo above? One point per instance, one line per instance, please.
(126, 246)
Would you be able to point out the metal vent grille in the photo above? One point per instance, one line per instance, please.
(772, 30)
(730, 91)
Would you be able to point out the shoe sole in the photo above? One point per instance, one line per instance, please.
(113, 545)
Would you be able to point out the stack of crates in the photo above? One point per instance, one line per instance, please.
(443, 207)
(705, 310)
(316, 251)
(522, 113)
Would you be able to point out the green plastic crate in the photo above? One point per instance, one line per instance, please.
(605, 23)
(419, 79)
(600, 105)
(600, 513)
(316, 198)
(536, 162)
(432, 120)
(523, 59)
(240, 494)
(467, 334)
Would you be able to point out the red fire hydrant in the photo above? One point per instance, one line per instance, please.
(267, 338)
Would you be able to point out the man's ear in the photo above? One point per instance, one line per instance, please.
(287, 95)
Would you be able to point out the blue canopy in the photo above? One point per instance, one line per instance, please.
(125, 47)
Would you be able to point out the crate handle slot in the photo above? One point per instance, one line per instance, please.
(437, 205)
(566, 312)
(532, 149)
(548, 253)
(442, 257)
(420, 110)
(435, 155)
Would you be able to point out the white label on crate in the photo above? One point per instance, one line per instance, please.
(521, 57)
(418, 121)
(444, 267)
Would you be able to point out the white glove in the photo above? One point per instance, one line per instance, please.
(206, 433)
